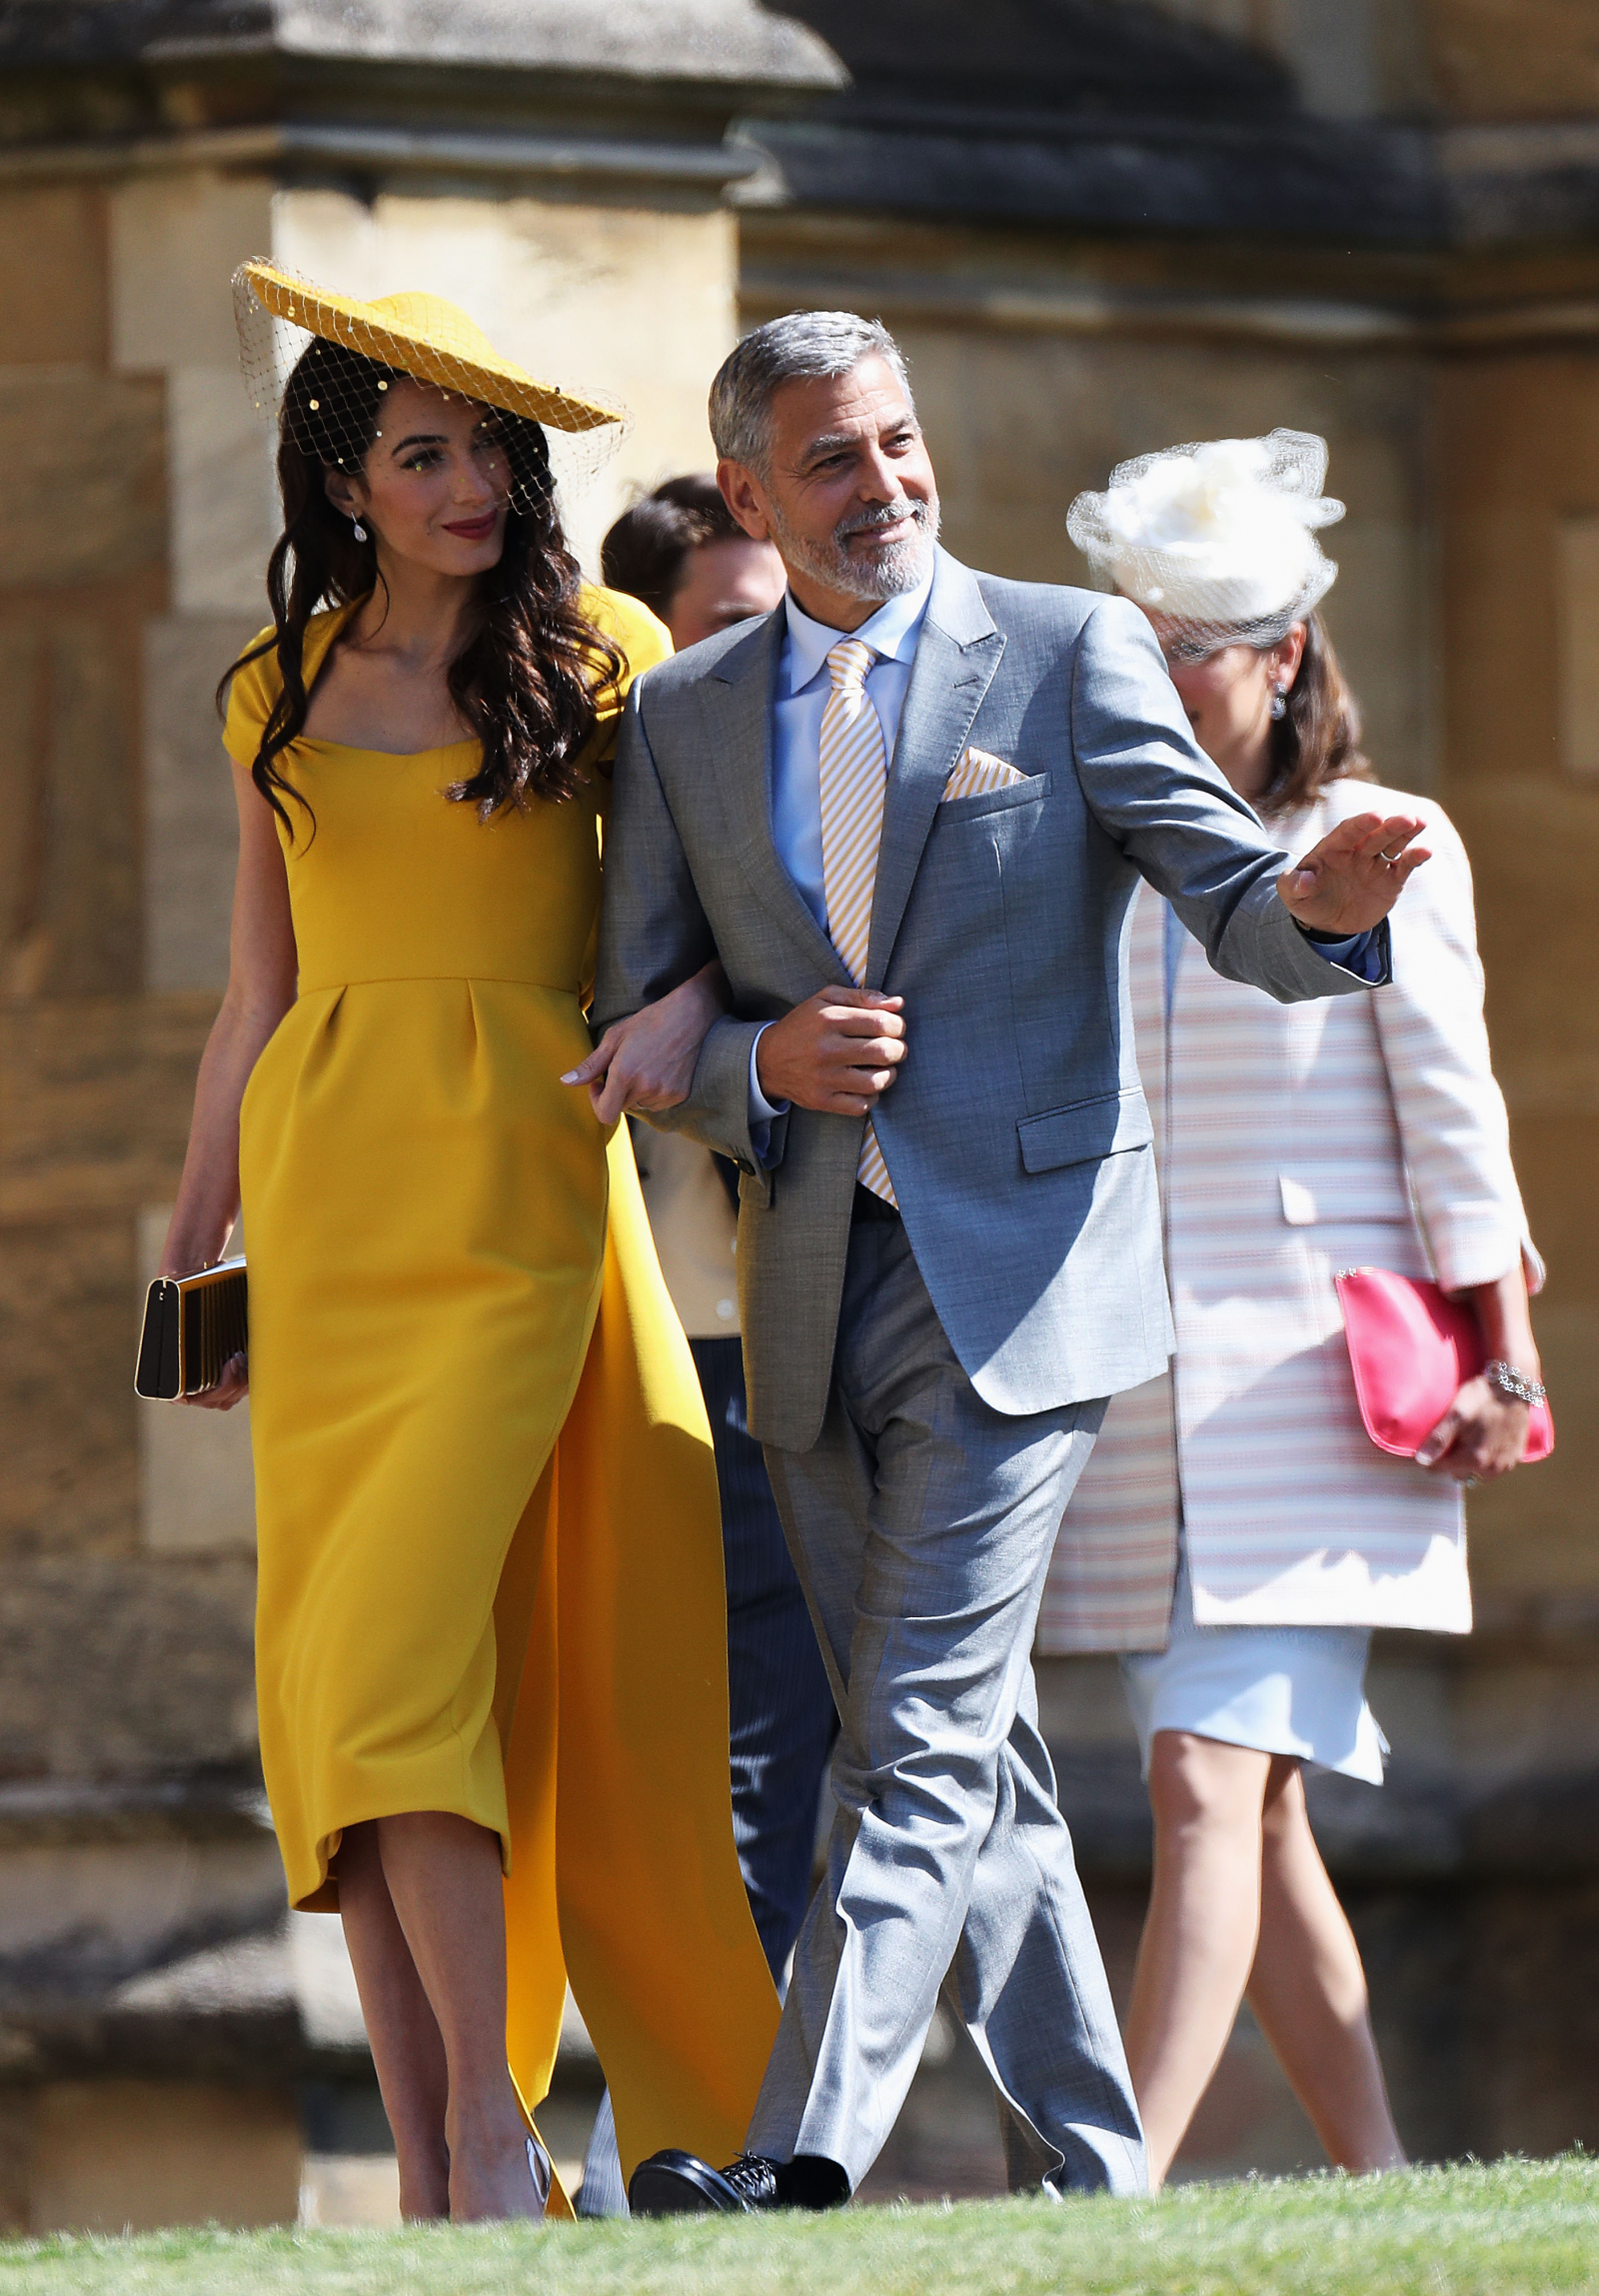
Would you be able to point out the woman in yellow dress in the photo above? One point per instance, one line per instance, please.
(491, 1636)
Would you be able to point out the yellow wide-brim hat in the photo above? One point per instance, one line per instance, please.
(425, 337)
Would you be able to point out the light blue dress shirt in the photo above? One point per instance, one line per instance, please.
(803, 684)
(801, 696)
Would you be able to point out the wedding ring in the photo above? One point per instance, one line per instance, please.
(1471, 1482)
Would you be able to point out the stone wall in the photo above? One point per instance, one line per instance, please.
(1349, 58)
(1513, 59)
(1463, 59)
(1518, 491)
(110, 1660)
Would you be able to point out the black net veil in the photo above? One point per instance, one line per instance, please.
(1217, 539)
(320, 366)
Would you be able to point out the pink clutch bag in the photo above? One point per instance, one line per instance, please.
(1410, 1349)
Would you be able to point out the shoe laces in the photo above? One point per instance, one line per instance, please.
(752, 2177)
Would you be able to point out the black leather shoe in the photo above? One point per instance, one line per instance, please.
(679, 2184)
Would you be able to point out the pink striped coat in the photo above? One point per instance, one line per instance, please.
(1292, 1141)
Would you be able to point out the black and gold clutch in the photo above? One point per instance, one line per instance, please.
(193, 1324)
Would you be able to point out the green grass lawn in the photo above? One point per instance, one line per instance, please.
(1442, 2232)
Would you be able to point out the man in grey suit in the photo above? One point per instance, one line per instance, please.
(907, 812)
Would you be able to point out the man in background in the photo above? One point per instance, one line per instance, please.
(681, 552)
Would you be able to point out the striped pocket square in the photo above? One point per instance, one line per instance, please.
(978, 773)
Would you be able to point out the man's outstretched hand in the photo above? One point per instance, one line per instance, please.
(836, 1051)
(1350, 880)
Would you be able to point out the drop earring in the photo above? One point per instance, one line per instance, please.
(359, 533)
(1279, 701)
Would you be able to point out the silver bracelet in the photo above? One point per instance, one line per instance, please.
(1515, 1384)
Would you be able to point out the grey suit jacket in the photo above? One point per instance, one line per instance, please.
(1016, 1133)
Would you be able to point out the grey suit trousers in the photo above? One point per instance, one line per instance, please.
(921, 1525)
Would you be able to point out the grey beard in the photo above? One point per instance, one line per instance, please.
(890, 574)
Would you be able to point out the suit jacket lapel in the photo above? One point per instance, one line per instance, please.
(957, 658)
(737, 698)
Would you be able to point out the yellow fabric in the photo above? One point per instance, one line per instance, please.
(491, 1564)
(425, 336)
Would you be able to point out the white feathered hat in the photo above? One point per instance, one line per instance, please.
(1219, 535)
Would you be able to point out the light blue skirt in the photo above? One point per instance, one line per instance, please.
(1297, 1690)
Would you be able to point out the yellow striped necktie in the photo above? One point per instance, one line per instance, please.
(854, 780)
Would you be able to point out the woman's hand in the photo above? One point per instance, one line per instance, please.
(234, 1384)
(231, 1389)
(1482, 1434)
(648, 1060)
(1484, 1431)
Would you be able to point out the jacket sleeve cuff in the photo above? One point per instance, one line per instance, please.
(1366, 957)
(1475, 1246)
(721, 1106)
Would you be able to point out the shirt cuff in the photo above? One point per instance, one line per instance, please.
(761, 1111)
(1364, 955)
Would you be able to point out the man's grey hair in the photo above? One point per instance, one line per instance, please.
(802, 347)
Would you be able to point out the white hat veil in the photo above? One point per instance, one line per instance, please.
(1218, 537)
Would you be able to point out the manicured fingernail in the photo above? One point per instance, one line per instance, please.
(570, 1078)
(1426, 1458)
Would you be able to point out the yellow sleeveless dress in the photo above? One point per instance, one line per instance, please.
(491, 1573)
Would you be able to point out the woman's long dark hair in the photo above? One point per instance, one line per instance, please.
(532, 674)
(1318, 738)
